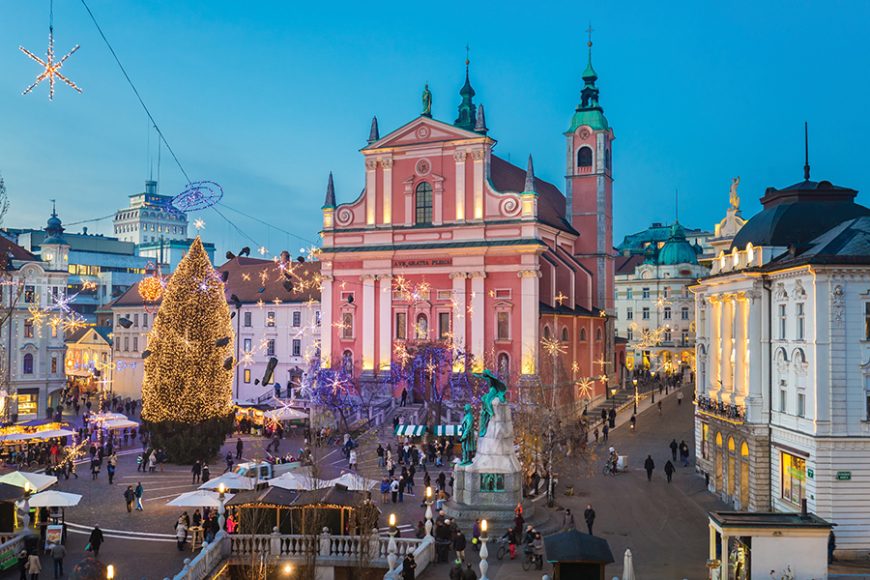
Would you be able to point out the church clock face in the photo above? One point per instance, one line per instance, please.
(423, 132)
(584, 134)
(423, 167)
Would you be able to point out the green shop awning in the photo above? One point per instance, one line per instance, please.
(410, 430)
(448, 430)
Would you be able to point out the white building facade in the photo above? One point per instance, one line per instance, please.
(783, 361)
(149, 218)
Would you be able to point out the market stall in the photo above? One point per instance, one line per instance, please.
(410, 430)
(447, 430)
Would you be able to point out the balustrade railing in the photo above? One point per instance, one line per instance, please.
(721, 409)
(201, 567)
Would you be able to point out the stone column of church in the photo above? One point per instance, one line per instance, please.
(327, 327)
(727, 345)
(368, 326)
(387, 164)
(371, 190)
(478, 318)
(478, 157)
(530, 291)
(459, 158)
(459, 311)
(715, 343)
(741, 306)
(385, 299)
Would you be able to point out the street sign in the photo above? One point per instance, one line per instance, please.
(810, 473)
(844, 475)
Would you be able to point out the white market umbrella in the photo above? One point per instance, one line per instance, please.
(230, 481)
(120, 424)
(354, 482)
(298, 480)
(52, 498)
(200, 498)
(628, 566)
(34, 481)
(285, 414)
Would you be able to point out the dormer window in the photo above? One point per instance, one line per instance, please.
(584, 157)
(424, 204)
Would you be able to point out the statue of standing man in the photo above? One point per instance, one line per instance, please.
(497, 389)
(734, 198)
(427, 101)
(466, 438)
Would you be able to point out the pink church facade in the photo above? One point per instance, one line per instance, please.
(449, 243)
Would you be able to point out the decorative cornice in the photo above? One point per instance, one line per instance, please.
(386, 162)
(371, 164)
(478, 154)
(454, 275)
(529, 274)
(460, 155)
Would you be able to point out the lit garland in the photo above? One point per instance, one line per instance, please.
(185, 378)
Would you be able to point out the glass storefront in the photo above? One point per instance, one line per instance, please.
(28, 403)
(794, 474)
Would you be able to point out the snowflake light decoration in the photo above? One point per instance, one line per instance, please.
(50, 67)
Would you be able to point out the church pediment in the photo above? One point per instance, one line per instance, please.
(423, 130)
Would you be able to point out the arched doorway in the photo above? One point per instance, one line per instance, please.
(730, 475)
(744, 476)
(717, 477)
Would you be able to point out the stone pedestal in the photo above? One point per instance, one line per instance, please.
(492, 485)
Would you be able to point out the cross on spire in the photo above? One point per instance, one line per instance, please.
(467, 55)
(589, 31)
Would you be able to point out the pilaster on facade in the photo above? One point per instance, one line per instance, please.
(478, 156)
(459, 309)
(385, 299)
(371, 190)
(530, 289)
(387, 197)
(478, 318)
(326, 282)
(459, 157)
(368, 326)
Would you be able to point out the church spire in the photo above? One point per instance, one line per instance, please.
(530, 177)
(589, 94)
(329, 202)
(467, 110)
(374, 134)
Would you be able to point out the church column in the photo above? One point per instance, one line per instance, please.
(368, 326)
(459, 311)
(326, 326)
(478, 157)
(727, 377)
(478, 318)
(385, 307)
(371, 190)
(715, 343)
(387, 164)
(459, 158)
(740, 320)
(530, 291)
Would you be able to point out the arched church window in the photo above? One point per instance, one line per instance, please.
(564, 334)
(424, 203)
(546, 332)
(607, 159)
(582, 335)
(584, 157)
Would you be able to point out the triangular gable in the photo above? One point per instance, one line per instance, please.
(423, 130)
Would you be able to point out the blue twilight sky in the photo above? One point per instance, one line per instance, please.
(267, 97)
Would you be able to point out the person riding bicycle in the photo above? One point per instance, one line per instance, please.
(538, 550)
(511, 537)
(613, 460)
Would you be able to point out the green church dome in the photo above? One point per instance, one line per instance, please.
(677, 250)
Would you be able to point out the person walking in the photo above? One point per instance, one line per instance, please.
(58, 553)
(180, 534)
(351, 460)
(649, 465)
(111, 466)
(468, 573)
(568, 521)
(129, 498)
(669, 470)
(589, 516)
(605, 431)
(206, 474)
(394, 490)
(684, 453)
(34, 566)
(674, 448)
(196, 470)
(459, 544)
(239, 447)
(679, 396)
(139, 492)
(404, 396)
(409, 567)
(95, 540)
(229, 461)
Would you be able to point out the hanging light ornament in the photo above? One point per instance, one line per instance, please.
(151, 288)
(50, 67)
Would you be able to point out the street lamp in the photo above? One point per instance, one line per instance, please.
(428, 501)
(287, 569)
(222, 490)
(110, 572)
(392, 548)
(484, 553)
(635, 395)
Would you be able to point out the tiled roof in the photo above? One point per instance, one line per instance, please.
(10, 248)
(625, 265)
(253, 279)
(552, 210)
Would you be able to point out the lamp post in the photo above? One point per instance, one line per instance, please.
(222, 490)
(392, 549)
(428, 501)
(653, 390)
(110, 572)
(635, 395)
(484, 553)
(287, 569)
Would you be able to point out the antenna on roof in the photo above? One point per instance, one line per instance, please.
(806, 152)
(676, 204)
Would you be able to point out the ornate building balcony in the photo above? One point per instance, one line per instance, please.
(720, 410)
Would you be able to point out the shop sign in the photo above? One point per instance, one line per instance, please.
(811, 473)
(844, 476)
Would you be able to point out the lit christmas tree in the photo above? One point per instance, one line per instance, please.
(187, 390)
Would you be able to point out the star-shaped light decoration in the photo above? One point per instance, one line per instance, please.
(51, 67)
(199, 224)
(263, 251)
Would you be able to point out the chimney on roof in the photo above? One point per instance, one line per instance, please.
(150, 187)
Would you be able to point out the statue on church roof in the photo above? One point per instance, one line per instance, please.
(427, 101)
(735, 199)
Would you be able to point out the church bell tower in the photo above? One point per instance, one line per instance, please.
(589, 187)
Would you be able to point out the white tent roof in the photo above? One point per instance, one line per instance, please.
(354, 482)
(296, 480)
(120, 424)
(35, 481)
(285, 414)
(230, 481)
(47, 434)
(199, 498)
(54, 498)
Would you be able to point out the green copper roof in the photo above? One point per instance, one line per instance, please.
(593, 118)
(677, 250)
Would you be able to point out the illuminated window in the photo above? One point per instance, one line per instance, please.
(424, 203)
(401, 325)
(502, 325)
(794, 475)
(27, 364)
(247, 375)
(270, 319)
(444, 325)
(28, 329)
